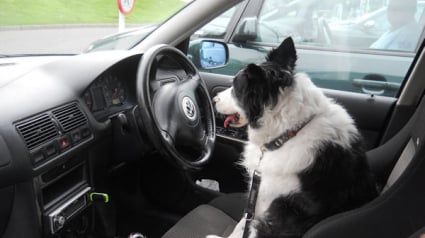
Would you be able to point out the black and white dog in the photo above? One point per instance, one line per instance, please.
(306, 147)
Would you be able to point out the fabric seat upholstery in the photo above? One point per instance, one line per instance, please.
(203, 220)
(219, 217)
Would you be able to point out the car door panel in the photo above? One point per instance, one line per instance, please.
(369, 112)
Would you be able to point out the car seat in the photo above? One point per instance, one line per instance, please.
(398, 212)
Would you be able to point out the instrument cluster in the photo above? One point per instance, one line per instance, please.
(107, 95)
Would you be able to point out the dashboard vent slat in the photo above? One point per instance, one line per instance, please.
(37, 130)
(70, 117)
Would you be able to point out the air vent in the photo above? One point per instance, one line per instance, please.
(38, 130)
(70, 117)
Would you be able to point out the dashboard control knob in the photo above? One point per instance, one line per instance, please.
(59, 221)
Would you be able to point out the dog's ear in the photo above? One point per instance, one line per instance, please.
(285, 55)
(254, 70)
(251, 75)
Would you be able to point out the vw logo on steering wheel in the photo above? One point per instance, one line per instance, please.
(189, 108)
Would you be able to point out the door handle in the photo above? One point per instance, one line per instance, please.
(374, 87)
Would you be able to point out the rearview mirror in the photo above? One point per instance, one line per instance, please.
(208, 54)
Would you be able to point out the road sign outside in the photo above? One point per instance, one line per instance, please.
(126, 6)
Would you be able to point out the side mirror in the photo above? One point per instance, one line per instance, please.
(246, 31)
(208, 54)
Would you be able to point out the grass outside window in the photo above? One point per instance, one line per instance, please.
(50, 12)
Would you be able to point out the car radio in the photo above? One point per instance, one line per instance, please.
(58, 217)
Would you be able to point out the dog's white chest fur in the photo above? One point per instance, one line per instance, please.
(274, 183)
(278, 170)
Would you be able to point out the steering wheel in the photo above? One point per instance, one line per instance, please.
(177, 114)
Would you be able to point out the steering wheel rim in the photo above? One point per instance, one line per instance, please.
(176, 115)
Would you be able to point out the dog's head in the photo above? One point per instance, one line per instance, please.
(256, 87)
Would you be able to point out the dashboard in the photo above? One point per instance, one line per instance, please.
(95, 86)
(60, 120)
(59, 113)
(101, 85)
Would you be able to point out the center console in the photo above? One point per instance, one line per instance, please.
(63, 194)
(55, 140)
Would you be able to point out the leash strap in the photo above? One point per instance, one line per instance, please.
(252, 200)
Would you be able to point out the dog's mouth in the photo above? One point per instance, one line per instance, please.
(234, 120)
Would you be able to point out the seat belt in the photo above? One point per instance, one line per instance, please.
(402, 163)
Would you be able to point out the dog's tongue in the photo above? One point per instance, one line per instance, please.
(231, 119)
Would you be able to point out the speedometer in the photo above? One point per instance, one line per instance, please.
(114, 90)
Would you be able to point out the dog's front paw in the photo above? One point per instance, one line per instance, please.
(213, 236)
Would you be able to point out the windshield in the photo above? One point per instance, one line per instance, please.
(72, 27)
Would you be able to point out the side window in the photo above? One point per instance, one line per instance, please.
(349, 45)
(215, 29)
(393, 25)
(280, 19)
